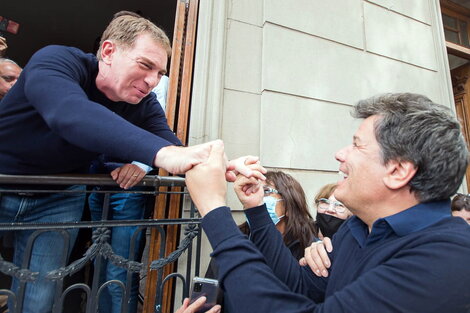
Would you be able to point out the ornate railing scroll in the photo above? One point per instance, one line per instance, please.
(100, 248)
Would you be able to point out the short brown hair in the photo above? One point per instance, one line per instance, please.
(125, 27)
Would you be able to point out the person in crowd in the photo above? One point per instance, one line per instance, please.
(68, 107)
(399, 252)
(461, 206)
(3, 46)
(287, 207)
(9, 73)
(122, 206)
(161, 91)
(331, 213)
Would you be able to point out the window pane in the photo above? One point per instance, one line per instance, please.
(449, 21)
(451, 36)
(463, 33)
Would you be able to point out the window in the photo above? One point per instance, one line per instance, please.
(456, 29)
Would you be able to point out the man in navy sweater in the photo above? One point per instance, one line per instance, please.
(68, 107)
(401, 252)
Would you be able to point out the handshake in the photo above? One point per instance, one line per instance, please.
(207, 185)
(207, 181)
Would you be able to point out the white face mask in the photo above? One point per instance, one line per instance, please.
(271, 202)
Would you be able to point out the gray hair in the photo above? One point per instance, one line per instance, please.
(413, 128)
(8, 60)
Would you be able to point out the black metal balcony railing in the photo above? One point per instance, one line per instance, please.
(100, 248)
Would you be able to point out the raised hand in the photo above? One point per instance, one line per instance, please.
(249, 191)
(247, 166)
(316, 257)
(206, 181)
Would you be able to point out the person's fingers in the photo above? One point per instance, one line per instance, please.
(320, 257)
(244, 183)
(258, 175)
(328, 244)
(115, 173)
(251, 159)
(215, 309)
(302, 262)
(325, 260)
(230, 176)
(217, 153)
(134, 179)
(123, 174)
(184, 306)
(253, 188)
(195, 305)
(314, 260)
(310, 262)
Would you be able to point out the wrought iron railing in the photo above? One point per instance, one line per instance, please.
(100, 248)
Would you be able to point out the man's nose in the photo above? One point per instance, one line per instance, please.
(152, 80)
(331, 208)
(340, 155)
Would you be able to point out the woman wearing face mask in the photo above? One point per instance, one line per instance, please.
(286, 204)
(330, 212)
(287, 207)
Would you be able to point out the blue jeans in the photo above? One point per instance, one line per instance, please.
(123, 206)
(46, 254)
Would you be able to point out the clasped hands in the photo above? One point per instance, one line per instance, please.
(206, 181)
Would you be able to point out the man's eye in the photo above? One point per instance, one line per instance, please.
(8, 79)
(145, 65)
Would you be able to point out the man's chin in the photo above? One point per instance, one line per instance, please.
(133, 100)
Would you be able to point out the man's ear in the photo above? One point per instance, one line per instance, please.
(107, 51)
(399, 173)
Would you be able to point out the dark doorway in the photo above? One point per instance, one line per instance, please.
(73, 23)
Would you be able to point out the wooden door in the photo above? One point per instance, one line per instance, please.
(178, 114)
(461, 87)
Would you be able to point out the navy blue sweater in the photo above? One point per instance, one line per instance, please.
(414, 261)
(55, 120)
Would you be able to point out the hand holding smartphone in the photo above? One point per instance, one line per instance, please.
(204, 287)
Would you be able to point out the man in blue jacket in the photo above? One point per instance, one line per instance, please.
(66, 108)
(401, 252)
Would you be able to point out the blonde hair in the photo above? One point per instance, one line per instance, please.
(125, 28)
(325, 192)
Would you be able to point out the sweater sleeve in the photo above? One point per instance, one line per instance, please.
(155, 121)
(52, 85)
(269, 241)
(243, 272)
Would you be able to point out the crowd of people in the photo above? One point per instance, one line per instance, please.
(382, 240)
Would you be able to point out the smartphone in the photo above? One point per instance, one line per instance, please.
(206, 287)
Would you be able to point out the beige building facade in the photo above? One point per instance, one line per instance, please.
(277, 78)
